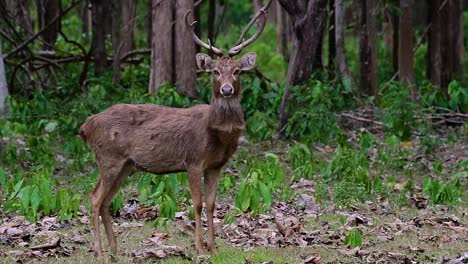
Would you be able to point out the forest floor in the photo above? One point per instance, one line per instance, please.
(297, 229)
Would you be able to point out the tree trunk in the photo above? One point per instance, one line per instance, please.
(149, 23)
(99, 37)
(318, 61)
(435, 61)
(211, 23)
(3, 84)
(405, 47)
(307, 19)
(331, 40)
(342, 66)
(282, 33)
(117, 44)
(396, 41)
(185, 55)
(162, 55)
(457, 30)
(86, 19)
(128, 25)
(368, 47)
(48, 10)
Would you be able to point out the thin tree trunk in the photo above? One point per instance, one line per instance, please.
(128, 25)
(47, 10)
(211, 23)
(405, 49)
(3, 84)
(99, 37)
(22, 16)
(318, 61)
(435, 61)
(307, 19)
(149, 23)
(117, 44)
(162, 55)
(257, 4)
(458, 34)
(368, 47)
(86, 19)
(282, 33)
(342, 66)
(396, 41)
(331, 40)
(185, 55)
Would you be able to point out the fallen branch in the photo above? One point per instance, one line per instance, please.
(52, 244)
(362, 119)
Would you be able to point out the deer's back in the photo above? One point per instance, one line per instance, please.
(156, 138)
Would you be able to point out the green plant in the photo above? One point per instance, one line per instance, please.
(353, 239)
(256, 188)
(440, 192)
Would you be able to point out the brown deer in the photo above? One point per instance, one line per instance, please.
(160, 139)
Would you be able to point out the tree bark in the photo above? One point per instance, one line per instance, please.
(149, 23)
(162, 59)
(3, 84)
(211, 23)
(368, 47)
(185, 73)
(435, 60)
(99, 37)
(117, 44)
(86, 19)
(47, 10)
(282, 33)
(331, 40)
(128, 25)
(458, 34)
(257, 4)
(307, 19)
(342, 66)
(396, 41)
(405, 47)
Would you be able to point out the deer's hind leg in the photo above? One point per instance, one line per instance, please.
(110, 173)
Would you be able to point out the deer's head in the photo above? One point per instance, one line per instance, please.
(226, 70)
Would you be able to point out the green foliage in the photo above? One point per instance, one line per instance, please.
(398, 111)
(38, 195)
(163, 190)
(302, 162)
(312, 112)
(257, 187)
(440, 192)
(353, 239)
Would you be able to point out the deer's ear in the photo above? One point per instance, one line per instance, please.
(247, 62)
(204, 62)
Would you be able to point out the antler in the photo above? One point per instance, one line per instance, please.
(240, 44)
(197, 40)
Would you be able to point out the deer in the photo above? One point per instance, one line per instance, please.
(158, 139)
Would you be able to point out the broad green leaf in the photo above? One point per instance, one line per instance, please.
(3, 177)
(266, 194)
(35, 198)
(16, 189)
(25, 197)
(245, 203)
(353, 239)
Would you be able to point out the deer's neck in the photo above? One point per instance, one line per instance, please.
(226, 115)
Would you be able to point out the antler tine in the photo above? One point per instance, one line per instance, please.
(197, 40)
(236, 49)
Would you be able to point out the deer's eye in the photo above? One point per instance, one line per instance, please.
(236, 72)
(216, 72)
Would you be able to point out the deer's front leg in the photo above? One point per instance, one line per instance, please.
(211, 185)
(195, 175)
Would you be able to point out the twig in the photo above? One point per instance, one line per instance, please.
(134, 52)
(362, 119)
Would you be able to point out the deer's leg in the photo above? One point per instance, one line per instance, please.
(105, 209)
(211, 185)
(195, 175)
(109, 174)
(97, 197)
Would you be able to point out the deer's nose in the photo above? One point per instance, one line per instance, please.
(227, 90)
